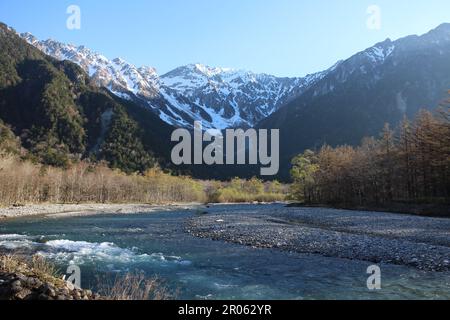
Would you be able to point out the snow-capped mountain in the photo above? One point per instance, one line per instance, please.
(117, 75)
(219, 97)
(231, 97)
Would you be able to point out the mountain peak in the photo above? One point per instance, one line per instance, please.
(444, 27)
(29, 37)
(438, 34)
(119, 61)
(388, 41)
(5, 27)
(207, 70)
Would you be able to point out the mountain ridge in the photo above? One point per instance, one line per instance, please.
(219, 97)
(59, 116)
(351, 100)
(382, 84)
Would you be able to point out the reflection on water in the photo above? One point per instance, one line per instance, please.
(203, 269)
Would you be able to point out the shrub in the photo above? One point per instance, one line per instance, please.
(244, 191)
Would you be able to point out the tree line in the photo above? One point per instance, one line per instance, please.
(24, 182)
(408, 164)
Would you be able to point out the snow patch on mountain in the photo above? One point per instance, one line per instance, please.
(379, 54)
(117, 75)
(219, 97)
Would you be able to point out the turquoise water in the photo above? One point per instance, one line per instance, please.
(107, 245)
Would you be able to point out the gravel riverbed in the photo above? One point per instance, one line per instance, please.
(72, 210)
(419, 242)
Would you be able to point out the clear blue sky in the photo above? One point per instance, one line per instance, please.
(281, 37)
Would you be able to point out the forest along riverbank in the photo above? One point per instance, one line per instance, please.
(419, 242)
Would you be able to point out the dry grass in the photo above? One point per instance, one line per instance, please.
(43, 269)
(10, 264)
(131, 286)
(37, 267)
(246, 191)
(135, 286)
(23, 182)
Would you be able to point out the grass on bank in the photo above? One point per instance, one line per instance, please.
(134, 286)
(36, 267)
(131, 286)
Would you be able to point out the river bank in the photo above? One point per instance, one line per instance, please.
(375, 236)
(378, 237)
(72, 210)
(35, 279)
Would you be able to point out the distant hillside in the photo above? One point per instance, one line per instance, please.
(382, 84)
(59, 116)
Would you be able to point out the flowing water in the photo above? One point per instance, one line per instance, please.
(107, 245)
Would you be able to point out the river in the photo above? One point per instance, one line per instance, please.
(106, 245)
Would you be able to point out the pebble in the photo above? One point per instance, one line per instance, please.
(70, 285)
(21, 287)
(49, 290)
(64, 291)
(43, 296)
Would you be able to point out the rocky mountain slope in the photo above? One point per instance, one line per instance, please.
(225, 98)
(220, 98)
(59, 116)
